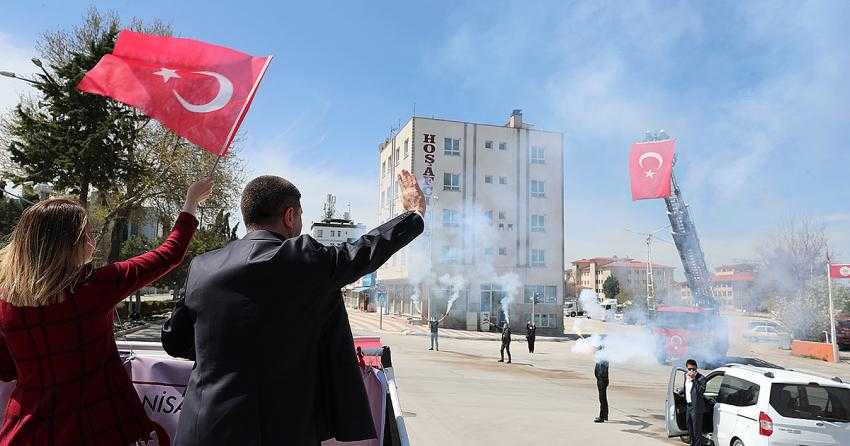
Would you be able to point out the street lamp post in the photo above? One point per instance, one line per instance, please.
(12, 75)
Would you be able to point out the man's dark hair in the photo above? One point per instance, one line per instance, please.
(692, 362)
(266, 198)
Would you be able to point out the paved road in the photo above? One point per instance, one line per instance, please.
(462, 396)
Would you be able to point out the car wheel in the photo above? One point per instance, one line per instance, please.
(573, 314)
(737, 442)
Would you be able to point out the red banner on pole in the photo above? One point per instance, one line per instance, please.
(839, 271)
(651, 169)
(198, 90)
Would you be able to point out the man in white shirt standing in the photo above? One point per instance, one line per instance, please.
(694, 393)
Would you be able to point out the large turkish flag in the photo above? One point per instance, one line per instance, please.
(839, 271)
(198, 90)
(651, 168)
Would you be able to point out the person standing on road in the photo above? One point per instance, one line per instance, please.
(694, 394)
(506, 342)
(434, 325)
(601, 372)
(530, 335)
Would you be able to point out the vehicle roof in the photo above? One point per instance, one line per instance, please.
(757, 374)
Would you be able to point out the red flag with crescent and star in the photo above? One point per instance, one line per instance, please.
(839, 270)
(198, 90)
(651, 169)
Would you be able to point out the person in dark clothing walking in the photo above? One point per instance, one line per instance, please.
(506, 342)
(601, 372)
(530, 335)
(694, 394)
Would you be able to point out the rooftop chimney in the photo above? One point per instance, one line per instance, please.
(515, 120)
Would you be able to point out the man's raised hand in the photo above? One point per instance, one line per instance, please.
(412, 197)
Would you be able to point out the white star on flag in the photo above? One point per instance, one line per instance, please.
(167, 74)
(650, 174)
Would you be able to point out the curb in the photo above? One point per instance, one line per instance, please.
(566, 338)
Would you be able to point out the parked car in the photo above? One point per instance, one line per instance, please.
(771, 334)
(754, 406)
(765, 323)
(842, 332)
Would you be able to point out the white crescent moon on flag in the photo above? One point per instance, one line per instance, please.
(225, 92)
(844, 271)
(657, 156)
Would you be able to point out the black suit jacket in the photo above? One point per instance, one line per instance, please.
(697, 394)
(264, 320)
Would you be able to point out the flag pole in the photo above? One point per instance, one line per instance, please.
(831, 315)
(217, 160)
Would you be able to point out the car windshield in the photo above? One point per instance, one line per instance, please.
(844, 324)
(811, 402)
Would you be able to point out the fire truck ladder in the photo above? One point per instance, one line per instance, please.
(687, 243)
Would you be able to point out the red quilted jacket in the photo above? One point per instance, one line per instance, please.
(72, 388)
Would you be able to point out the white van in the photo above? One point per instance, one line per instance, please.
(754, 406)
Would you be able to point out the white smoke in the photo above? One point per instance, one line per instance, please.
(471, 243)
(590, 303)
(509, 283)
(455, 284)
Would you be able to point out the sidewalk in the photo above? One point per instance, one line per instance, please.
(364, 322)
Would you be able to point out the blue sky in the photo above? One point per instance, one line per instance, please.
(757, 93)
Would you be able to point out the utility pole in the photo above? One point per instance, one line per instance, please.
(650, 277)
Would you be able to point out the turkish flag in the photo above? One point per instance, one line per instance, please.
(198, 90)
(651, 168)
(840, 271)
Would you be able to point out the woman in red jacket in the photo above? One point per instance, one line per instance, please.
(56, 327)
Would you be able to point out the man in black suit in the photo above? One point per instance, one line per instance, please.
(694, 394)
(600, 370)
(264, 320)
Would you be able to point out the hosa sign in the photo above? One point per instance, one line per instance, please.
(429, 146)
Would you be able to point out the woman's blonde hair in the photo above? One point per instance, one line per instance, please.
(45, 253)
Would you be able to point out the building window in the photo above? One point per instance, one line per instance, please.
(501, 215)
(489, 251)
(406, 151)
(489, 215)
(319, 233)
(397, 157)
(451, 218)
(451, 146)
(503, 146)
(488, 144)
(491, 295)
(451, 182)
(545, 294)
(537, 156)
(384, 168)
(537, 223)
(503, 180)
(545, 320)
(503, 251)
(537, 257)
(537, 189)
(488, 179)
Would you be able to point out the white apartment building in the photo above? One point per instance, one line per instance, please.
(495, 219)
